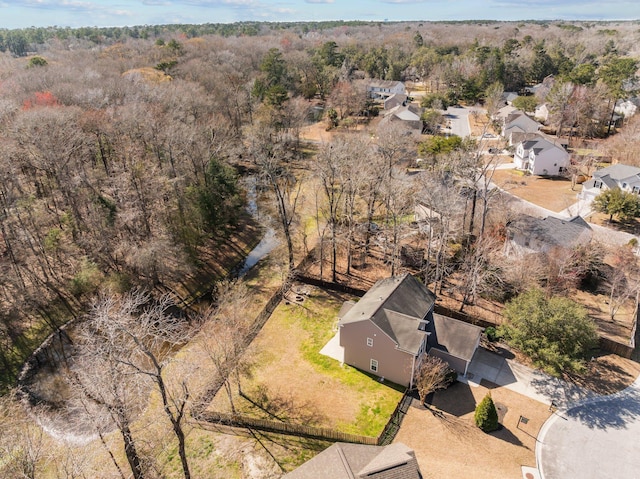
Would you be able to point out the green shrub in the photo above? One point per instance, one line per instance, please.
(87, 279)
(492, 334)
(486, 415)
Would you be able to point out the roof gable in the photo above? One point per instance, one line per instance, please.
(375, 83)
(618, 173)
(455, 337)
(357, 461)
(540, 144)
(553, 231)
(395, 305)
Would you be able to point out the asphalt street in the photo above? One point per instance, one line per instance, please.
(596, 439)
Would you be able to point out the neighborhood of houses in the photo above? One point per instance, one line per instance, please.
(389, 330)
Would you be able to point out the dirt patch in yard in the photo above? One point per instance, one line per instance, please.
(448, 444)
(607, 374)
(554, 194)
(317, 132)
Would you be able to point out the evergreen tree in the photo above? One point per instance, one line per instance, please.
(486, 415)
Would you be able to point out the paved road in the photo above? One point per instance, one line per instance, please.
(602, 234)
(459, 120)
(596, 439)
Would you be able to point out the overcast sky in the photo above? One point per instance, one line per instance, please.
(78, 13)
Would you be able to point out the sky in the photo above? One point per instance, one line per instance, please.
(105, 13)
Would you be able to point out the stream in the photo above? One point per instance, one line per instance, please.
(42, 378)
(269, 241)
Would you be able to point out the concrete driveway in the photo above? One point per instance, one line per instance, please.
(597, 438)
(503, 371)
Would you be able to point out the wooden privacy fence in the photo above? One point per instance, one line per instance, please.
(341, 288)
(393, 426)
(255, 328)
(606, 344)
(622, 350)
(283, 428)
(236, 420)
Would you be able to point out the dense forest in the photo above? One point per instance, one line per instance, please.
(124, 150)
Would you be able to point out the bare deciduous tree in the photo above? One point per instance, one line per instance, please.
(272, 158)
(126, 344)
(624, 280)
(23, 450)
(430, 375)
(225, 335)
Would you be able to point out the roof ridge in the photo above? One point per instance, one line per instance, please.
(381, 306)
(345, 463)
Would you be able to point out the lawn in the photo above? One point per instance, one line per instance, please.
(291, 381)
(554, 194)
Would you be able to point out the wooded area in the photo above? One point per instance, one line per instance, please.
(126, 153)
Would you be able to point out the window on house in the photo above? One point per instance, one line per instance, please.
(624, 185)
(374, 365)
(370, 342)
(597, 184)
(636, 189)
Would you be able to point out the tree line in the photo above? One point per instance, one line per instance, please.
(121, 168)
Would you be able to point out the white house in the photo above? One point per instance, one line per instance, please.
(621, 176)
(627, 108)
(381, 89)
(517, 125)
(542, 112)
(539, 156)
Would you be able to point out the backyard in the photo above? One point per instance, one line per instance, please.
(291, 381)
(554, 194)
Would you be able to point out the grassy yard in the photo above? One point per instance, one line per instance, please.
(291, 381)
(554, 194)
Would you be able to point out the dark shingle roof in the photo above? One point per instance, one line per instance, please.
(553, 231)
(357, 461)
(456, 337)
(396, 305)
(538, 145)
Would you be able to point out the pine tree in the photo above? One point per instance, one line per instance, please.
(486, 415)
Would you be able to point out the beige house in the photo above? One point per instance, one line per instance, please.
(386, 332)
